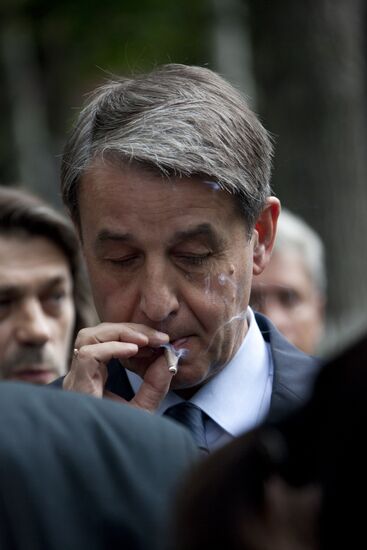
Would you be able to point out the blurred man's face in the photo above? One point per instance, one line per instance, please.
(285, 293)
(172, 255)
(36, 310)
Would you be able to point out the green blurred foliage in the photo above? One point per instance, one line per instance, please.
(85, 38)
(80, 43)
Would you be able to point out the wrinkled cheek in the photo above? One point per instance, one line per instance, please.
(220, 285)
(224, 318)
(107, 296)
(100, 305)
(65, 327)
(230, 291)
(225, 310)
(114, 309)
(97, 287)
(220, 298)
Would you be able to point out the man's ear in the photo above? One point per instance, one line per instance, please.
(264, 234)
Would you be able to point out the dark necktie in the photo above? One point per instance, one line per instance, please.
(192, 417)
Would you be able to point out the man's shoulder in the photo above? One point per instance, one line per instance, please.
(25, 405)
(281, 349)
(104, 463)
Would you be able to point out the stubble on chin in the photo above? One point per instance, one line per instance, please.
(30, 357)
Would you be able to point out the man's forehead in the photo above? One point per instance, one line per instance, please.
(134, 206)
(32, 257)
(22, 239)
(205, 231)
(102, 173)
(16, 284)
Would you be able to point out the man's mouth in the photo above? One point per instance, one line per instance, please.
(179, 343)
(34, 375)
(152, 353)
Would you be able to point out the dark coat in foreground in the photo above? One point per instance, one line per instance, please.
(295, 483)
(82, 473)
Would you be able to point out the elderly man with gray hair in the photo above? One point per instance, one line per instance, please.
(167, 179)
(291, 291)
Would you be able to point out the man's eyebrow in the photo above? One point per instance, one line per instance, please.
(202, 230)
(55, 281)
(10, 290)
(14, 291)
(106, 235)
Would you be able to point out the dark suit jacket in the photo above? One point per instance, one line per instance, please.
(79, 473)
(294, 373)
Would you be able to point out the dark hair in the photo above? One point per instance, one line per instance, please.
(319, 445)
(21, 212)
(222, 500)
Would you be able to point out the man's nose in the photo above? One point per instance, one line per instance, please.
(32, 324)
(158, 294)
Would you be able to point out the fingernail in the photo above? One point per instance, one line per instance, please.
(162, 336)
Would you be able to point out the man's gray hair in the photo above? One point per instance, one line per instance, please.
(295, 234)
(180, 121)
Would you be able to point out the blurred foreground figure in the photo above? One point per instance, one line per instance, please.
(77, 473)
(292, 485)
(44, 299)
(291, 291)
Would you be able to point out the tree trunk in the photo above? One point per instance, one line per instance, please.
(36, 165)
(310, 72)
(231, 45)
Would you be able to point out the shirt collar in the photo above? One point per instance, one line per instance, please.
(235, 397)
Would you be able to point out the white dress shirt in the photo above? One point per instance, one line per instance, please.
(238, 397)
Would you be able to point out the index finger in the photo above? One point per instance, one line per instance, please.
(133, 333)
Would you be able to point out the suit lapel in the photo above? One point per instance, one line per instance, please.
(117, 381)
(294, 371)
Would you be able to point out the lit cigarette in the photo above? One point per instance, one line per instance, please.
(171, 359)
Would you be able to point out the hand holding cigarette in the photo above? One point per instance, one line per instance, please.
(96, 346)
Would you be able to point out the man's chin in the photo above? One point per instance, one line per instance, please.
(34, 376)
(187, 382)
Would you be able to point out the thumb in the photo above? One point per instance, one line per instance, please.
(155, 386)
